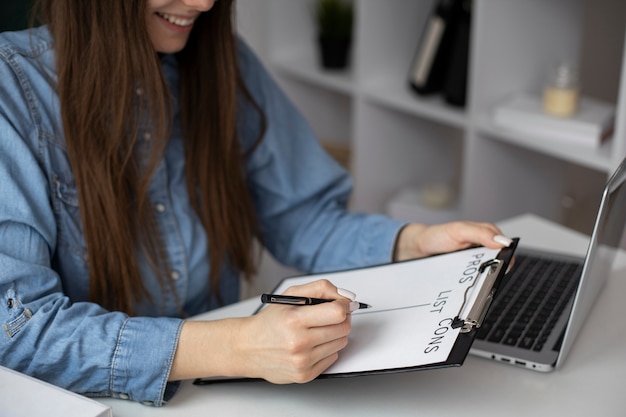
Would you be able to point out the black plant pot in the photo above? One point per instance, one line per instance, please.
(334, 52)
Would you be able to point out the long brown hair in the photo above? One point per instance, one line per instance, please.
(109, 83)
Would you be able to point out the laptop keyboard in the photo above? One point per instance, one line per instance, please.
(530, 302)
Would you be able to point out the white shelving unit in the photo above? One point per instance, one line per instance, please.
(400, 140)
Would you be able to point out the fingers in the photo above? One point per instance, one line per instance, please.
(319, 315)
(309, 358)
(503, 240)
(321, 288)
(322, 316)
(486, 234)
(328, 354)
(347, 294)
(416, 241)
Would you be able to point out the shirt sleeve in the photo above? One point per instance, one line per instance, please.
(75, 345)
(301, 193)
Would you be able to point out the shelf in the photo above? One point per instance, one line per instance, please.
(306, 68)
(400, 140)
(406, 205)
(595, 158)
(397, 95)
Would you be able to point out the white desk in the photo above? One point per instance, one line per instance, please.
(590, 383)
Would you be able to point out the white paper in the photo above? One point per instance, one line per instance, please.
(413, 304)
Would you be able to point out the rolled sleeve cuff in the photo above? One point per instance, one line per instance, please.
(143, 359)
(384, 232)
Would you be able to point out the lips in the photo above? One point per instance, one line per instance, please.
(175, 20)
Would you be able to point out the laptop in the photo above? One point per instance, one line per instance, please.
(545, 298)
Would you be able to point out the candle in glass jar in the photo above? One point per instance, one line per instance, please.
(560, 96)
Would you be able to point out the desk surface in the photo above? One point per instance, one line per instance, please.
(589, 383)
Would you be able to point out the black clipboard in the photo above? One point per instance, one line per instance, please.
(476, 303)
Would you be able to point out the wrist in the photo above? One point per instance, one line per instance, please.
(206, 349)
(407, 246)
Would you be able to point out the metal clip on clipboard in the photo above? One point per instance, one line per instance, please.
(475, 308)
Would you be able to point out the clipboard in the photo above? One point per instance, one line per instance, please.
(389, 339)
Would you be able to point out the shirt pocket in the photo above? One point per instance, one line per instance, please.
(17, 316)
(69, 223)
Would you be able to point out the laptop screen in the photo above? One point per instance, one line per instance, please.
(612, 230)
(607, 237)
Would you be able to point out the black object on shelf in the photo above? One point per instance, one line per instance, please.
(441, 58)
(334, 52)
(334, 20)
(455, 84)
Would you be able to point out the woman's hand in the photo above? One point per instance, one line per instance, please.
(281, 344)
(419, 240)
(285, 344)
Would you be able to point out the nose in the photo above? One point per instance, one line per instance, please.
(199, 5)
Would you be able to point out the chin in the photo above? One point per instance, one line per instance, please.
(169, 49)
(170, 45)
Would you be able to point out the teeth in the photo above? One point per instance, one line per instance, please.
(176, 20)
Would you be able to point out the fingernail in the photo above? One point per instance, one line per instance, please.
(503, 240)
(345, 293)
(354, 305)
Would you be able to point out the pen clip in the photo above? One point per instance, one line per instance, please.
(476, 302)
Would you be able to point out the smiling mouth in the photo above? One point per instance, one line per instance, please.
(176, 20)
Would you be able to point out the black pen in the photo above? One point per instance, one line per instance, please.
(298, 301)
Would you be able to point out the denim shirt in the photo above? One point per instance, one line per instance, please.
(50, 330)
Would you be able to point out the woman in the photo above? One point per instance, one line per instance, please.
(143, 149)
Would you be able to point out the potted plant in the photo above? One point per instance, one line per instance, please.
(334, 20)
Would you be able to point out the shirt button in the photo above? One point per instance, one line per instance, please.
(139, 91)
(160, 207)
(147, 136)
(175, 275)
